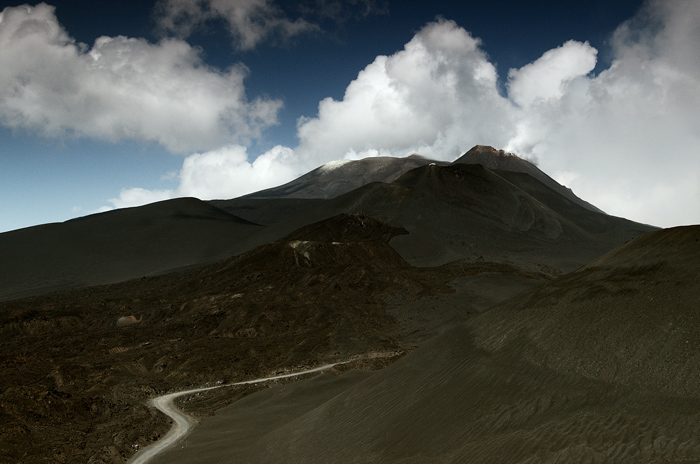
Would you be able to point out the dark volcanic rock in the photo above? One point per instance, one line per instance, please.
(71, 377)
(348, 228)
(339, 177)
(600, 365)
(503, 161)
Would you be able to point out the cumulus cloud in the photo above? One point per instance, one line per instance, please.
(120, 88)
(625, 139)
(226, 173)
(249, 21)
(437, 95)
(548, 76)
(136, 197)
(220, 173)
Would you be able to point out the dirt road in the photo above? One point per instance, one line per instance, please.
(182, 423)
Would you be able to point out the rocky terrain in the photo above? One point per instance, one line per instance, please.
(597, 366)
(75, 374)
(105, 312)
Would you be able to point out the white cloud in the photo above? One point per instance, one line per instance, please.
(137, 197)
(628, 137)
(437, 95)
(249, 21)
(221, 173)
(226, 173)
(626, 140)
(548, 76)
(121, 88)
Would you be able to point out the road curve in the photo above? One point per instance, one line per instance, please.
(182, 424)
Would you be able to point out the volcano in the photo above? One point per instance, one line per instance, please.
(482, 308)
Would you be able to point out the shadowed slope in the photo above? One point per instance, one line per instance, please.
(585, 218)
(452, 213)
(463, 212)
(310, 293)
(74, 381)
(598, 366)
(117, 245)
(643, 299)
(468, 211)
(348, 228)
(500, 160)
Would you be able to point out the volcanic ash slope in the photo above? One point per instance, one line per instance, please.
(598, 366)
(117, 245)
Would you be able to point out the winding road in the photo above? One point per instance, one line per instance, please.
(182, 423)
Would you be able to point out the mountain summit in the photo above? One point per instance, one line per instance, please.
(339, 177)
(491, 158)
(501, 160)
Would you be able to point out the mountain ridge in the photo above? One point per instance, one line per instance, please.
(165, 236)
(338, 177)
(458, 272)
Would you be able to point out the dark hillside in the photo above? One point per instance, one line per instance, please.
(77, 370)
(597, 366)
(196, 293)
(117, 245)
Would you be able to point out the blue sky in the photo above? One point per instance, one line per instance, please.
(114, 104)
